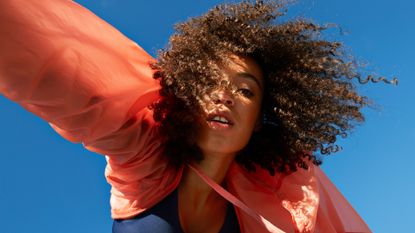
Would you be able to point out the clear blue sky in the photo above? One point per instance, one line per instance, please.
(48, 185)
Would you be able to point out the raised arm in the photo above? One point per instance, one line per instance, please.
(66, 65)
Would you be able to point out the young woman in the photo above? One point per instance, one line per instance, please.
(220, 134)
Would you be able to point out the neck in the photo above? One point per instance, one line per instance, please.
(200, 207)
(215, 166)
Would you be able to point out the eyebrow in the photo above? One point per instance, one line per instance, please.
(249, 76)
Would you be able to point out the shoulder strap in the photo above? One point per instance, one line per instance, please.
(235, 201)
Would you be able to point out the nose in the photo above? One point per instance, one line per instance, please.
(223, 97)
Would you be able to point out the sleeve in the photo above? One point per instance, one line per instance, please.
(335, 214)
(316, 205)
(66, 65)
(303, 201)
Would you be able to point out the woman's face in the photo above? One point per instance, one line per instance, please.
(232, 115)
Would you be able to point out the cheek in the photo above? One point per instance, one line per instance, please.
(249, 123)
(251, 114)
(206, 104)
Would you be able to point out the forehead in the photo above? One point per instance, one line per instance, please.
(242, 64)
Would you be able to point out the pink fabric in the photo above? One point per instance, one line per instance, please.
(259, 219)
(69, 67)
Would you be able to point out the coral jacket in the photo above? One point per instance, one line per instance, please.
(93, 85)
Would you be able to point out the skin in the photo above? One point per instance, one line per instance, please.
(220, 143)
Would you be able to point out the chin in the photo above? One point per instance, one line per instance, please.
(220, 147)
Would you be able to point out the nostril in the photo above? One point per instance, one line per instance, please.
(215, 99)
(229, 102)
(222, 98)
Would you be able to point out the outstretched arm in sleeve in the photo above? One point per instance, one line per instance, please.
(69, 67)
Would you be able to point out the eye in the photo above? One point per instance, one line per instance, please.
(245, 92)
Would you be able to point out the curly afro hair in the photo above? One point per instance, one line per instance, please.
(309, 98)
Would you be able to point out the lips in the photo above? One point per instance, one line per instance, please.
(220, 120)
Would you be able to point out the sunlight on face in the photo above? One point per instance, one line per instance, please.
(231, 115)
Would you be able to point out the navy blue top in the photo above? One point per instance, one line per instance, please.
(164, 218)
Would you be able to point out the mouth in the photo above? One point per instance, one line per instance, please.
(219, 121)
